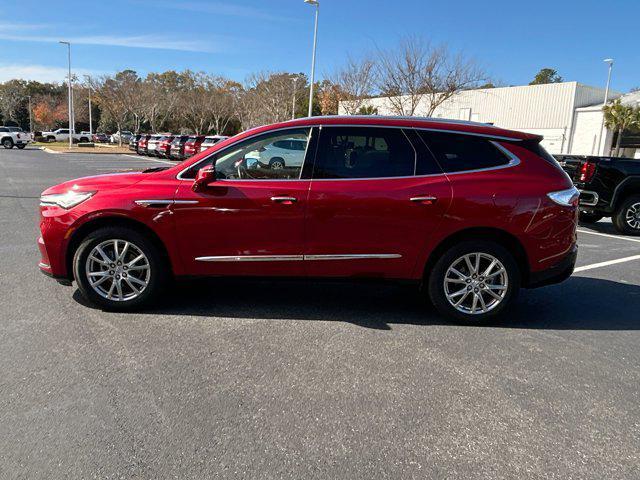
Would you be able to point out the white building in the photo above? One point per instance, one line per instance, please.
(568, 115)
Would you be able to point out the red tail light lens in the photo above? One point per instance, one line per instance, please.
(586, 171)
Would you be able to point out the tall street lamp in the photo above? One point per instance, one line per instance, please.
(606, 99)
(90, 118)
(313, 56)
(30, 122)
(293, 102)
(68, 44)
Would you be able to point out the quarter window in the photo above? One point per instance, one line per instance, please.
(460, 153)
(364, 152)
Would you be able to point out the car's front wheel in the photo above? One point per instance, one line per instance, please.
(21, 146)
(474, 281)
(118, 268)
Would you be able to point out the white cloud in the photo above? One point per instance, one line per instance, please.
(219, 8)
(132, 41)
(41, 73)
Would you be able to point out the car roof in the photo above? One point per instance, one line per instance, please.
(439, 124)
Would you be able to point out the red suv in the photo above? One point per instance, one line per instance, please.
(470, 211)
(192, 145)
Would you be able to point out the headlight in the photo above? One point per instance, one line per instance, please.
(566, 198)
(65, 200)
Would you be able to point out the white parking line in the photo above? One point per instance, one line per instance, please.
(605, 264)
(610, 236)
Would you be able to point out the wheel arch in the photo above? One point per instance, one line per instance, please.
(629, 186)
(111, 221)
(502, 237)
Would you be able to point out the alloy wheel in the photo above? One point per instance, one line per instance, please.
(118, 270)
(632, 216)
(476, 283)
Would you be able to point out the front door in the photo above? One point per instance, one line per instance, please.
(375, 199)
(250, 221)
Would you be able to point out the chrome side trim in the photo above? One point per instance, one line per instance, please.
(164, 201)
(590, 198)
(251, 258)
(353, 256)
(296, 258)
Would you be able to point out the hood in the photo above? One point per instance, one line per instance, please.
(108, 181)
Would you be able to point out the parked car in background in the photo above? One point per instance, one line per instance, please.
(152, 144)
(164, 146)
(210, 140)
(14, 137)
(176, 152)
(192, 145)
(469, 211)
(609, 187)
(100, 138)
(143, 143)
(125, 136)
(62, 135)
(280, 154)
(133, 143)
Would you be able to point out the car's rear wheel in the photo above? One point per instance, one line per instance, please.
(119, 269)
(627, 218)
(7, 143)
(589, 217)
(276, 163)
(474, 281)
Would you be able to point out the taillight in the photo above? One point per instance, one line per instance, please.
(566, 198)
(18, 135)
(586, 171)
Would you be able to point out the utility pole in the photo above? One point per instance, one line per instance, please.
(316, 4)
(68, 44)
(606, 99)
(293, 103)
(30, 122)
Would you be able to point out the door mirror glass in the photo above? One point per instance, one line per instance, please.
(205, 176)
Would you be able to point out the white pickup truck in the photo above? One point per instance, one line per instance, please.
(14, 136)
(62, 135)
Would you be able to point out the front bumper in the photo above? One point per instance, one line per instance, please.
(557, 273)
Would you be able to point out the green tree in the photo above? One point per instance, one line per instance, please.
(619, 117)
(546, 75)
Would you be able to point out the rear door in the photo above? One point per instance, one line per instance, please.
(375, 199)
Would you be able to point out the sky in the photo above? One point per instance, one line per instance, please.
(510, 40)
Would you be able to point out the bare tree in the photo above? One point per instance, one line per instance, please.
(112, 93)
(160, 94)
(416, 73)
(354, 83)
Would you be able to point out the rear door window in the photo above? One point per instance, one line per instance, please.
(460, 153)
(364, 152)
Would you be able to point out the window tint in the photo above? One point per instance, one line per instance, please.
(256, 159)
(4, 129)
(364, 152)
(459, 152)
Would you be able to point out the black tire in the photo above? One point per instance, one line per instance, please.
(276, 163)
(51, 139)
(158, 268)
(84, 140)
(625, 219)
(589, 217)
(21, 146)
(7, 143)
(436, 282)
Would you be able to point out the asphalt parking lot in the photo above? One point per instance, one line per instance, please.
(258, 379)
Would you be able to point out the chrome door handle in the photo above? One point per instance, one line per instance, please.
(284, 200)
(424, 200)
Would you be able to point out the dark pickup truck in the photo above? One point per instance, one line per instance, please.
(609, 187)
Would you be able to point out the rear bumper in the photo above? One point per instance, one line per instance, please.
(557, 273)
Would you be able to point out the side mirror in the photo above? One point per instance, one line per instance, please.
(204, 177)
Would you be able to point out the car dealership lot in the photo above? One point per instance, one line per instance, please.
(295, 379)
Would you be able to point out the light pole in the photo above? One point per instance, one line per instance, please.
(606, 98)
(30, 122)
(68, 44)
(90, 119)
(313, 55)
(293, 102)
